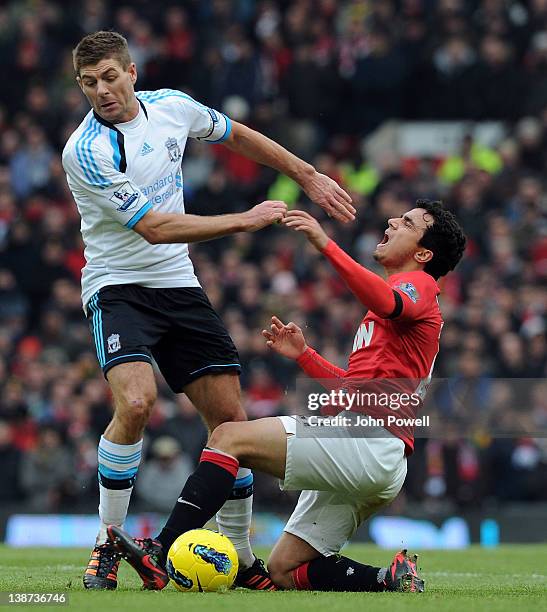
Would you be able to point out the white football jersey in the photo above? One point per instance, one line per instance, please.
(117, 173)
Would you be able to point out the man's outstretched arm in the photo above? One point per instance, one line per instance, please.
(166, 228)
(321, 189)
(369, 288)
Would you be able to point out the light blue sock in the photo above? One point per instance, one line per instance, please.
(118, 466)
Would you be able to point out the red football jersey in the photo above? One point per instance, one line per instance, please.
(401, 344)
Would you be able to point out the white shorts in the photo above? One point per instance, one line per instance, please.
(343, 481)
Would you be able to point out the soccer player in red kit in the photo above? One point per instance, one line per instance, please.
(343, 479)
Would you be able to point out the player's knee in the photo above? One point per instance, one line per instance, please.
(280, 573)
(226, 437)
(141, 408)
(136, 410)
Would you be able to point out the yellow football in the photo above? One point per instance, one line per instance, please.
(202, 560)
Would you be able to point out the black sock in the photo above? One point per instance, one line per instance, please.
(203, 495)
(338, 573)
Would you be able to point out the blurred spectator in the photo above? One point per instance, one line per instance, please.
(502, 99)
(46, 473)
(30, 165)
(377, 84)
(10, 458)
(186, 426)
(162, 476)
(452, 80)
(263, 393)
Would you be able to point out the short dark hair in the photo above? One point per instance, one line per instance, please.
(98, 46)
(445, 238)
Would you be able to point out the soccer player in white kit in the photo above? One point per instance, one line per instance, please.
(139, 291)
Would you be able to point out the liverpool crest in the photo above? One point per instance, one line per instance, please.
(173, 149)
(114, 343)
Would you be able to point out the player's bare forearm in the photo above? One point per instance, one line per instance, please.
(260, 148)
(321, 189)
(167, 228)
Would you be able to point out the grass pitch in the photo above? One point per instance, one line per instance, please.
(505, 578)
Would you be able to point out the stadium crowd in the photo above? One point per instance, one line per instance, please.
(319, 77)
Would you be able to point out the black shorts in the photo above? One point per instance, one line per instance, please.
(178, 327)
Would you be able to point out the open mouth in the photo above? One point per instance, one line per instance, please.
(384, 240)
(107, 105)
